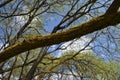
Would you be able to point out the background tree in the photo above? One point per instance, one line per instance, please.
(34, 35)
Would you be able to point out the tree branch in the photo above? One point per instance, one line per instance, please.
(56, 38)
(5, 2)
(113, 7)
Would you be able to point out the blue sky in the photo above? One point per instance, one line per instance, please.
(51, 20)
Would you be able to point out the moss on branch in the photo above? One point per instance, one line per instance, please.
(56, 38)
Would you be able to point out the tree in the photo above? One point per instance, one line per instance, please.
(24, 32)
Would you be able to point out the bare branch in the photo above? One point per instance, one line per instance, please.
(5, 2)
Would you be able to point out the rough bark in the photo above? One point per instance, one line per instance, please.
(56, 38)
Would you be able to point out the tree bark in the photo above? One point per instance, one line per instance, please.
(56, 38)
(113, 7)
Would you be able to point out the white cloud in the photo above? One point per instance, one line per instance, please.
(75, 45)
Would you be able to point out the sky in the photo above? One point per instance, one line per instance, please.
(49, 21)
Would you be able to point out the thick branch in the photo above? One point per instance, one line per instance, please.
(56, 38)
(113, 7)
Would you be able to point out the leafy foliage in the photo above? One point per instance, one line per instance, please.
(98, 58)
(84, 65)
